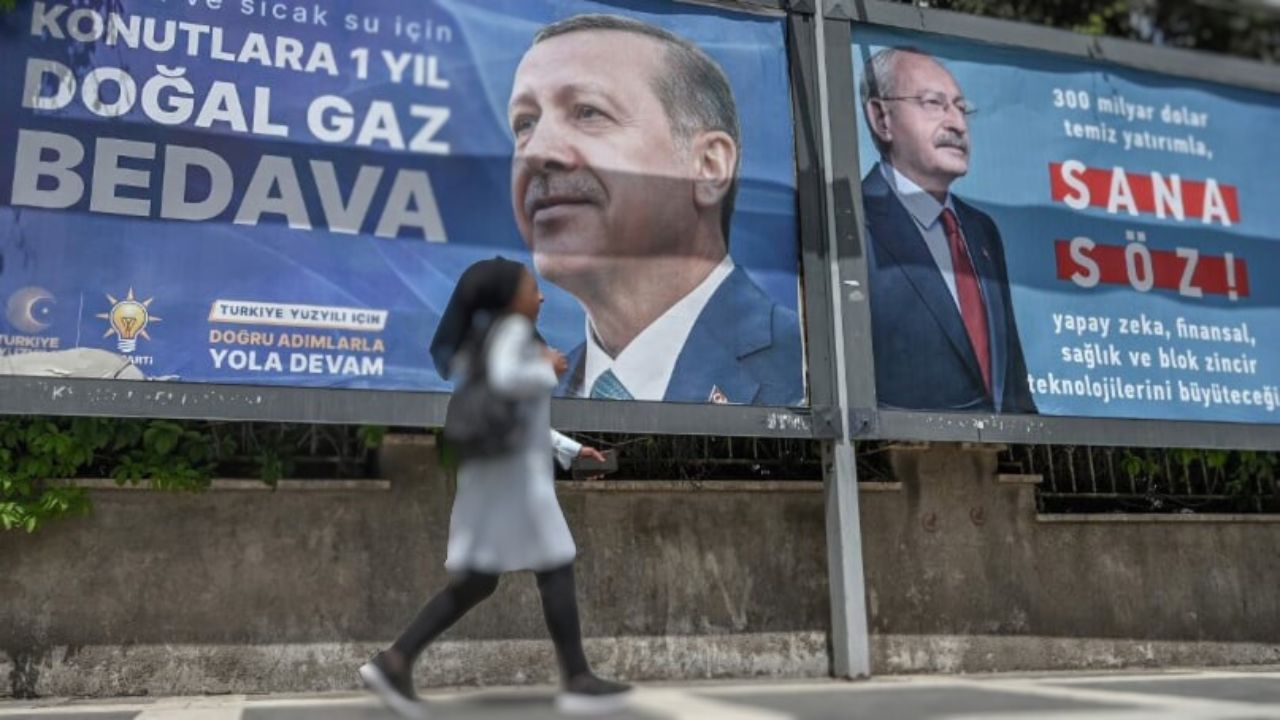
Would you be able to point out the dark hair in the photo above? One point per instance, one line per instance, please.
(479, 299)
(695, 93)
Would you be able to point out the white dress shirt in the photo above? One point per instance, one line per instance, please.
(645, 366)
(926, 211)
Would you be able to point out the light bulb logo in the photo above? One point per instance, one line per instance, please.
(129, 319)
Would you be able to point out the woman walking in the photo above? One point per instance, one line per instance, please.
(506, 516)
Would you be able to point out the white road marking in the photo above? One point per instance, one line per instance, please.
(1241, 712)
(681, 705)
(192, 713)
(226, 707)
(344, 699)
(1169, 703)
(222, 707)
(1171, 675)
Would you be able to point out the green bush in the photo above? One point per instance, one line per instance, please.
(38, 455)
(37, 452)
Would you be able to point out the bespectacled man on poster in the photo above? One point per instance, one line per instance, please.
(627, 149)
(943, 327)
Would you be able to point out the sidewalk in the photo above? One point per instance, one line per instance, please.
(1174, 695)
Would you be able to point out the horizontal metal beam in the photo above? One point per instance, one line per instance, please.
(1186, 63)
(191, 401)
(749, 5)
(695, 419)
(129, 398)
(1040, 429)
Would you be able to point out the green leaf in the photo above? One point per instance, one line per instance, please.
(371, 435)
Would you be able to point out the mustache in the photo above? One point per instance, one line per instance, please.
(550, 188)
(951, 139)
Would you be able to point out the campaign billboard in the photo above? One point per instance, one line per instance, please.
(1058, 235)
(264, 193)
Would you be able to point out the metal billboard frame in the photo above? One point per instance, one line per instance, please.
(821, 419)
(865, 419)
(819, 219)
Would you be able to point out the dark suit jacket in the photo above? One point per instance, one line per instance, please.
(743, 345)
(924, 360)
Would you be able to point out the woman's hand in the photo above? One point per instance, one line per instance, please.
(590, 453)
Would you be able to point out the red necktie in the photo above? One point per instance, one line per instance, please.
(972, 309)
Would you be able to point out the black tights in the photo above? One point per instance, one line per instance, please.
(559, 607)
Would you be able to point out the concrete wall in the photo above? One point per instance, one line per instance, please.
(242, 590)
(964, 576)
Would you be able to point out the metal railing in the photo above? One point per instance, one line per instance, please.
(1084, 479)
(695, 458)
(670, 457)
(276, 450)
(1076, 478)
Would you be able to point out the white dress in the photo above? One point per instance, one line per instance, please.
(506, 516)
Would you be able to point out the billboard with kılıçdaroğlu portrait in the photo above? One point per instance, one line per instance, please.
(267, 194)
(1058, 235)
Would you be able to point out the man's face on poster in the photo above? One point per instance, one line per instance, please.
(597, 175)
(928, 135)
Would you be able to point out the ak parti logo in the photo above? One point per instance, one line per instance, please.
(128, 320)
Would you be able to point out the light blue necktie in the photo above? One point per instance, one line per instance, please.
(609, 387)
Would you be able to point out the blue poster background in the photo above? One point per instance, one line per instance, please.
(79, 258)
(1019, 131)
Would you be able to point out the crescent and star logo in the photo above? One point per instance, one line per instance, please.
(29, 309)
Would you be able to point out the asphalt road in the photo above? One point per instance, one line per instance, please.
(1175, 695)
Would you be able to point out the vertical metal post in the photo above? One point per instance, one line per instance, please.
(850, 642)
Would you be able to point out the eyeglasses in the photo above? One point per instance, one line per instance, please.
(937, 104)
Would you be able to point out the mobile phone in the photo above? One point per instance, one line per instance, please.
(586, 467)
